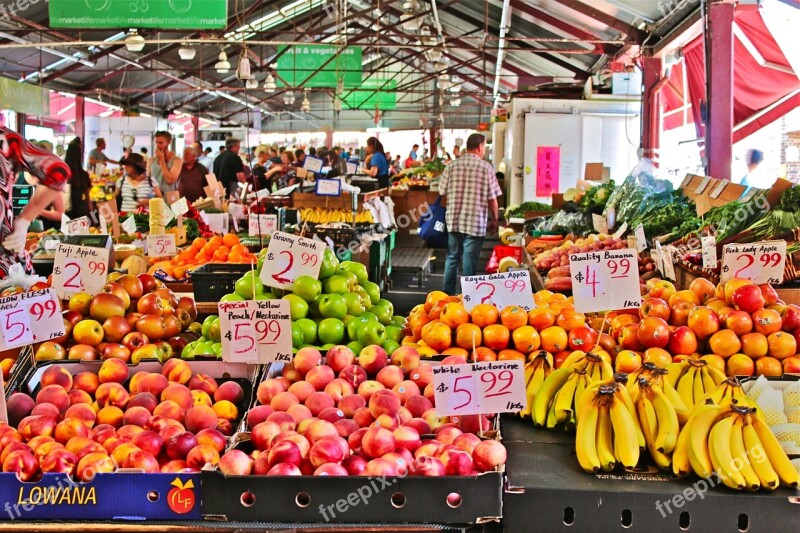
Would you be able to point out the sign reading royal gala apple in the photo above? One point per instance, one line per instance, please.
(500, 290)
(289, 257)
(760, 262)
(605, 280)
(479, 388)
(79, 269)
(30, 317)
(256, 332)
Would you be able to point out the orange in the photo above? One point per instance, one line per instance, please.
(496, 336)
(432, 298)
(510, 355)
(241, 248)
(554, 339)
(568, 319)
(768, 366)
(235, 257)
(715, 361)
(541, 318)
(180, 272)
(216, 241)
(739, 365)
(754, 344)
(513, 317)
(230, 239)
(526, 339)
(465, 333)
(417, 324)
(766, 321)
(199, 242)
(454, 350)
(781, 345)
(437, 335)
(453, 314)
(703, 288)
(724, 343)
(484, 315)
(221, 255)
(482, 354)
(659, 356)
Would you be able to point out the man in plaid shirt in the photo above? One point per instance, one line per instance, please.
(470, 188)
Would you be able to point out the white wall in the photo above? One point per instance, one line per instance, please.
(112, 130)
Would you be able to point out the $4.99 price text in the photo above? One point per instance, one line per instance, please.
(30, 317)
(605, 281)
(479, 388)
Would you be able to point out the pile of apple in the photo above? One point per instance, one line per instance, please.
(90, 423)
(133, 318)
(362, 415)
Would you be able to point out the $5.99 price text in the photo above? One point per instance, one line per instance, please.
(479, 388)
(30, 317)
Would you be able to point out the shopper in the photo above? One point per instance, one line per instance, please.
(143, 151)
(376, 162)
(260, 166)
(281, 175)
(413, 155)
(80, 205)
(135, 189)
(165, 167)
(470, 189)
(273, 155)
(97, 156)
(456, 152)
(754, 158)
(299, 157)
(202, 155)
(229, 168)
(192, 179)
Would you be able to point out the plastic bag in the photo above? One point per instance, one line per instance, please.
(564, 222)
(18, 278)
(432, 226)
(642, 182)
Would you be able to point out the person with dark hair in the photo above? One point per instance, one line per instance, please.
(143, 151)
(202, 155)
(192, 180)
(280, 175)
(470, 189)
(378, 166)
(80, 183)
(312, 151)
(135, 188)
(229, 168)
(299, 157)
(96, 156)
(753, 159)
(413, 155)
(165, 167)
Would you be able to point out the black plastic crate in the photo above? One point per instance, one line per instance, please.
(212, 281)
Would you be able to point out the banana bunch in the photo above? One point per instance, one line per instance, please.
(658, 420)
(319, 215)
(732, 442)
(537, 370)
(694, 379)
(607, 432)
(556, 400)
(730, 391)
(658, 377)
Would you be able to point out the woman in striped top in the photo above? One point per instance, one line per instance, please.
(135, 188)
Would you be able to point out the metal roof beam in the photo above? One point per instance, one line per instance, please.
(605, 18)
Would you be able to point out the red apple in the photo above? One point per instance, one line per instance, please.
(115, 328)
(105, 305)
(82, 352)
(769, 293)
(135, 340)
(791, 365)
(88, 332)
(119, 291)
(185, 303)
(654, 307)
(173, 325)
(149, 283)
(791, 318)
(153, 326)
(748, 298)
(133, 318)
(132, 285)
(150, 304)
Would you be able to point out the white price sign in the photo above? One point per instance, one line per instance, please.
(621, 231)
(600, 224)
(329, 187)
(162, 245)
(668, 261)
(79, 226)
(262, 224)
(29, 318)
(500, 290)
(79, 269)
(168, 215)
(181, 207)
(352, 168)
(641, 238)
(479, 388)
(256, 332)
(129, 225)
(217, 222)
(605, 281)
(760, 262)
(709, 251)
(313, 164)
(289, 257)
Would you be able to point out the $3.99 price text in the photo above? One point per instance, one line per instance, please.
(479, 388)
(28, 318)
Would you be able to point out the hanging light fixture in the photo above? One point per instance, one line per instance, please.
(444, 79)
(222, 66)
(252, 83)
(409, 22)
(434, 55)
(269, 83)
(305, 106)
(455, 88)
(455, 102)
(288, 98)
(243, 71)
(337, 104)
(134, 42)
(186, 52)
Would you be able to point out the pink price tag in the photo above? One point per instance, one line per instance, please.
(479, 388)
(256, 332)
(30, 317)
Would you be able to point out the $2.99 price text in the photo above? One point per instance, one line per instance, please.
(479, 388)
(761, 262)
(501, 290)
(289, 257)
(30, 317)
(79, 269)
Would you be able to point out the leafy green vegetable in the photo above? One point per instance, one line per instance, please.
(520, 210)
(595, 199)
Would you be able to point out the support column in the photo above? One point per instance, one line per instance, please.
(432, 147)
(651, 114)
(329, 139)
(192, 135)
(719, 61)
(22, 118)
(80, 118)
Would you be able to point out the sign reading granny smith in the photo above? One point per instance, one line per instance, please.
(373, 93)
(163, 14)
(298, 65)
(24, 97)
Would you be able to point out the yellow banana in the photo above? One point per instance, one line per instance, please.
(685, 387)
(681, 409)
(585, 439)
(622, 393)
(739, 453)
(668, 425)
(675, 371)
(583, 382)
(605, 439)
(649, 427)
(716, 374)
(758, 457)
(551, 416)
(698, 387)
(546, 392)
(572, 359)
(708, 382)
(701, 420)
(565, 398)
(777, 457)
(681, 466)
(719, 448)
(626, 443)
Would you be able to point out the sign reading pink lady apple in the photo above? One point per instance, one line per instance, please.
(30, 317)
(289, 257)
(256, 332)
(479, 388)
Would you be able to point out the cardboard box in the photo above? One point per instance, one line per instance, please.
(593, 172)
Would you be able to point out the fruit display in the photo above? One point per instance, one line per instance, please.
(132, 319)
(781, 410)
(329, 216)
(364, 414)
(93, 422)
(217, 249)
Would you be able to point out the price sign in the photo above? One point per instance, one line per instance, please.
(709, 250)
(168, 215)
(79, 226)
(181, 207)
(760, 262)
(313, 164)
(500, 290)
(162, 245)
(668, 261)
(329, 187)
(352, 168)
(289, 257)
(621, 231)
(256, 332)
(600, 224)
(478, 388)
(217, 222)
(129, 225)
(605, 281)
(79, 269)
(262, 224)
(30, 317)
(641, 239)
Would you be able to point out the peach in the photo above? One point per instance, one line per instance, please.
(136, 415)
(111, 415)
(231, 391)
(57, 375)
(171, 430)
(383, 402)
(380, 467)
(319, 429)
(466, 442)
(295, 437)
(261, 435)
(456, 462)
(176, 466)
(301, 389)
(399, 461)
(488, 455)
(35, 442)
(377, 441)
(23, 463)
(305, 359)
(141, 460)
(268, 389)
(326, 450)
(284, 381)
(177, 371)
(153, 383)
(77, 445)
(225, 427)
(201, 398)
(202, 455)
(433, 419)
(46, 409)
(119, 452)
(112, 394)
(226, 410)
(302, 426)
(338, 389)
(92, 464)
(136, 379)
(258, 414)
(428, 448)
(354, 465)
(404, 415)
(54, 394)
(77, 396)
(213, 438)
(318, 401)
(13, 447)
(101, 432)
(372, 359)
(170, 410)
(68, 428)
(350, 403)
(447, 433)
(285, 420)
(157, 423)
(368, 388)
(353, 374)
(285, 451)
(291, 374)
(406, 357)
(59, 461)
(35, 426)
(472, 423)
(355, 438)
(422, 426)
(284, 469)
(149, 441)
(345, 427)
(203, 382)
(44, 449)
(86, 381)
(363, 418)
(389, 376)
(339, 357)
(320, 376)
(113, 371)
(128, 431)
(143, 399)
(179, 446)
(179, 394)
(407, 437)
(298, 412)
(19, 405)
(283, 401)
(235, 463)
(428, 467)
(417, 405)
(422, 375)
(406, 390)
(331, 469)
(390, 422)
(429, 393)
(331, 414)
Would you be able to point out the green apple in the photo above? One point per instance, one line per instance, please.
(309, 329)
(329, 264)
(203, 348)
(353, 325)
(195, 327)
(313, 307)
(233, 297)
(359, 269)
(337, 284)
(333, 306)
(373, 291)
(298, 307)
(394, 333)
(355, 346)
(297, 334)
(214, 332)
(216, 348)
(383, 302)
(390, 346)
(307, 288)
(188, 350)
(384, 314)
(399, 321)
(369, 315)
(358, 289)
(249, 285)
(207, 324)
(331, 331)
(326, 347)
(355, 304)
(352, 279)
(265, 296)
(371, 333)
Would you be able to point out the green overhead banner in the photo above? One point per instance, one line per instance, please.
(24, 98)
(373, 93)
(162, 14)
(298, 65)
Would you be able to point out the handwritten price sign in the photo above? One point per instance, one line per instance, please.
(79, 226)
(30, 317)
(500, 290)
(289, 257)
(760, 262)
(328, 187)
(256, 332)
(494, 387)
(161, 245)
(79, 269)
(605, 281)
(262, 224)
